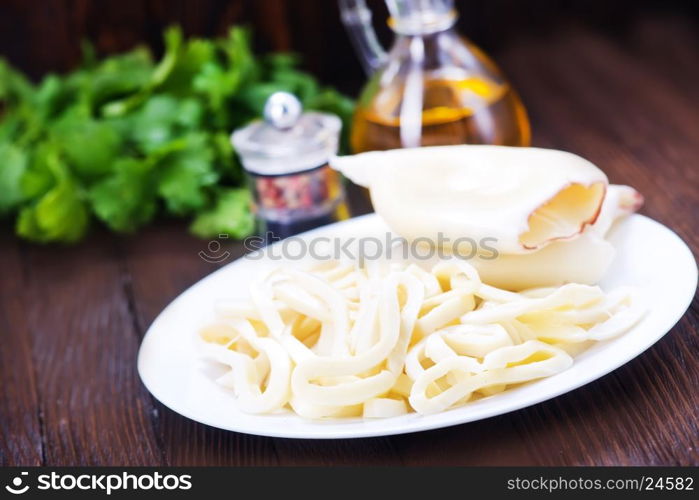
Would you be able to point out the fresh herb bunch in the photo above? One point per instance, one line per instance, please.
(123, 138)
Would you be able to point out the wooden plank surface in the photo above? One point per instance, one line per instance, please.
(71, 318)
(20, 416)
(92, 406)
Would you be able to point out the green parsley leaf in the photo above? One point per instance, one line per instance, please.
(230, 215)
(125, 201)
(13, 163)
(59, 216)
(90, 146)
(184, 176)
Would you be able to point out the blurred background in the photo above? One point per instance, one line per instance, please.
(43, 36)
(612, 80)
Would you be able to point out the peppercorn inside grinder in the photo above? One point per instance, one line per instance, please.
(285, 157)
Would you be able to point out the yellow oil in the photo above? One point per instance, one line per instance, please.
(467, 111)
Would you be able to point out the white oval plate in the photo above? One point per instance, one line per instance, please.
(649, 256)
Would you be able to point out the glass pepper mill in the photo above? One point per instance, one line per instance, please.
(433, 87)
(285, 157)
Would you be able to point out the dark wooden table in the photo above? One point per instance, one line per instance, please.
(71, 319)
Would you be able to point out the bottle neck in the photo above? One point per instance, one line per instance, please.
(421, 17)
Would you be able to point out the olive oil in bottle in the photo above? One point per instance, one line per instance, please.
(469, 111)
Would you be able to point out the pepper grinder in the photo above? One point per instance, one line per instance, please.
(285, 158)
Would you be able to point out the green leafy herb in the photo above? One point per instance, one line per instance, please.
(125, 200)
(13, 163)
(185, 174)
(230, 216)
(59, 215)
